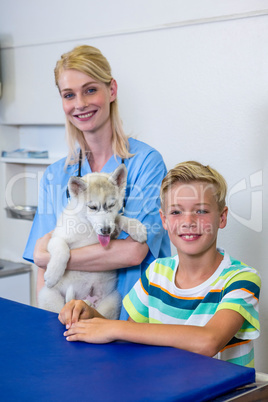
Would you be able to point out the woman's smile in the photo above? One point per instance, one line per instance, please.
(86, 102)
(84, 116)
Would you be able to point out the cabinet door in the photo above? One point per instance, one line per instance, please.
(16, 288)
(29, 94)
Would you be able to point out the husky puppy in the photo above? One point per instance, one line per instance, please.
(92, 216)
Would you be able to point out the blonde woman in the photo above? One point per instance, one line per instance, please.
(97, 143)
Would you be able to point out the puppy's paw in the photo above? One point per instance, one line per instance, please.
(140, 237)
(50, 281)
(140, 233)
(52, 277)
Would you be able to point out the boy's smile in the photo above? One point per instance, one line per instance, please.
(192, 218)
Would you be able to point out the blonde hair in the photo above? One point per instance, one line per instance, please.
(89, 60)
(192, 171)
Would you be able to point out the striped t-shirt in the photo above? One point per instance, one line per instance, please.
(156, 299)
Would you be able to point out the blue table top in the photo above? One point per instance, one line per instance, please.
(38, 364)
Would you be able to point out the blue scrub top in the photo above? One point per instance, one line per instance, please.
(146, 170)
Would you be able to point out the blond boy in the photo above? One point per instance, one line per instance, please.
(207, 301)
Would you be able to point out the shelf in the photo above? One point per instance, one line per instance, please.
(30, 161)
(10, 268)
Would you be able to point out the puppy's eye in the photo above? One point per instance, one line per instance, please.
(93, 207)
(111, 205)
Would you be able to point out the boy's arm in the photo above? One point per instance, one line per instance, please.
(207, 340)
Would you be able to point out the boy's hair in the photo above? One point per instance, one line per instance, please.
(191, 171)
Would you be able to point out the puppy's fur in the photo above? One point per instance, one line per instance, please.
(91, 216)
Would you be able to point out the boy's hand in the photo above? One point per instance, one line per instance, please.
(96, 330)
(75, 310)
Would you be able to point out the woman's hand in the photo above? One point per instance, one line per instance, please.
(95, 330)
(75, 310)
(41, 255)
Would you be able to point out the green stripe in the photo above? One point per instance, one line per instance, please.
(206, 308)
(225, 274)
(244, 275)
(247, 276)
(133, 312)
(174, 312)
(183, 314)
(248, 309)
(154, 321)
(252, 318)
(245, 360)
(234, 261)
(166, 271)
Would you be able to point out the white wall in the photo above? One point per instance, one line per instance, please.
(192, 81)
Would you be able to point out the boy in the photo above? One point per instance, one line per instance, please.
(207, 300)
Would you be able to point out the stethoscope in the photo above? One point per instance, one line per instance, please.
(79, 175)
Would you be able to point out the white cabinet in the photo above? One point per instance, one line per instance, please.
(29, 94)
(15, 281)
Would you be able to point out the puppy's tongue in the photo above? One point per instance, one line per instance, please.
(104, 240)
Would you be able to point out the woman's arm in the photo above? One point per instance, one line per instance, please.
(40, 255)
(207, 340)
(118, 254)
(40, 281)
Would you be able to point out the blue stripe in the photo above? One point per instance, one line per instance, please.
(235, 340)
(252, 287)
(213, 297)
(144, 282)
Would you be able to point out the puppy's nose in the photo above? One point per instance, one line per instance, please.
(106, 230)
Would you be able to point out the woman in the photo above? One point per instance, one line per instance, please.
(97, 143)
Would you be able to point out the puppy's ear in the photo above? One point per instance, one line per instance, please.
(119, 176)
(76, 185)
